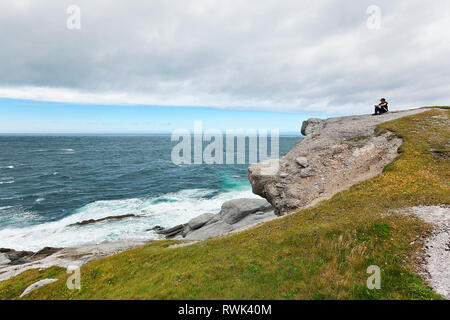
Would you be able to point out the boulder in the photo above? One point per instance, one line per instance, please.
(302, 161)
(4, 259)
(200, 221)
(235, 210)
(311, 125)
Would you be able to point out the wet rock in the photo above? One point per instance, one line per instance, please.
(172, 232)
(91, 221)
(4, 259)
(46, 252)
(155, 228)
(13, 257)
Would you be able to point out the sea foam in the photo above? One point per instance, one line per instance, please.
(167, 210)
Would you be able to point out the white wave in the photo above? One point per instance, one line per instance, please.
(68, 150)
(39, 200)
(7, 182)
(6, 207)
(10, 167)
(167, 210)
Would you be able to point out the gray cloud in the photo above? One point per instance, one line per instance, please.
(273, 55)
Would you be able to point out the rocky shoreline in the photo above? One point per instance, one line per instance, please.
(13, 263)
(343, 150)
(13, 257)
(235, 215)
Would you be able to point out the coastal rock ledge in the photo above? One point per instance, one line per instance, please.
(235, 215)
(336, 153)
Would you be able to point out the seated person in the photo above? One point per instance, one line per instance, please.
(382, 107)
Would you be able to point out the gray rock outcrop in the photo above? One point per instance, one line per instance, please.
(13, 257)
(172, 232)
(234, 211)
(4, 259)
(48, 257)
(234, 215)
(200, 221)
(335, 154)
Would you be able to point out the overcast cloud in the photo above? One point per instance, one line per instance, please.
(269, 55)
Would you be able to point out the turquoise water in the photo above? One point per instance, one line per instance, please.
(50, 182)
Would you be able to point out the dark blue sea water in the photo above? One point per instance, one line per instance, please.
(50, 182)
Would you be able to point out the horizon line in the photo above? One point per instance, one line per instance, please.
(284, 133)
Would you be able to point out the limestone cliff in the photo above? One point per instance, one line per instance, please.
(335, 154)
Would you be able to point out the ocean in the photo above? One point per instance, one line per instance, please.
(48, 183)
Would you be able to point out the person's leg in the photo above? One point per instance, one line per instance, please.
(377, 110)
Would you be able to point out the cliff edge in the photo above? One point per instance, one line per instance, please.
(335, 154)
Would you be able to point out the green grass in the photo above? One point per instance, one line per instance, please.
(318, 253)
(13, 288)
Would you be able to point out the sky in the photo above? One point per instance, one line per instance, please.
(132, 66)
(40, 117)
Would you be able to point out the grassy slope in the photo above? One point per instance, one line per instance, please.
(317, 253)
